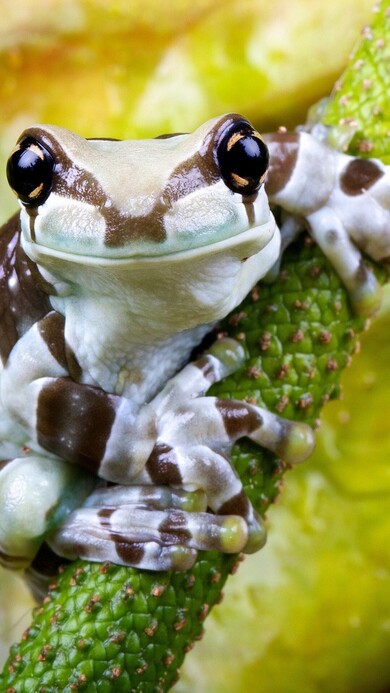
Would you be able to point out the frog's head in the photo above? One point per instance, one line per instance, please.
(173, 199)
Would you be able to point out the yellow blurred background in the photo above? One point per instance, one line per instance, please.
(311, 612)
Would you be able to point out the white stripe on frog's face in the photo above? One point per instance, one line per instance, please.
(344, 202)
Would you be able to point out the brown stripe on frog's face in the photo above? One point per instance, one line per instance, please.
(359, 175)
(72, 181)
(138, 196)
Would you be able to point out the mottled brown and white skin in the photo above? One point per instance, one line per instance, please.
(343, 201)
(123, 257)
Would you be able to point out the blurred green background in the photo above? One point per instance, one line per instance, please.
(311, 612)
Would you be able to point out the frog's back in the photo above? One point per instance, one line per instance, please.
(22, 298)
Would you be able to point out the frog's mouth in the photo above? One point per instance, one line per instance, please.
(240, 246)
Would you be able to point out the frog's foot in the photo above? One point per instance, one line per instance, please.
(153, 528)
(186, 418)
(364, 290)
(195, 435)
(201, 466)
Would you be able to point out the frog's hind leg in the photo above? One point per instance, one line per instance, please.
(35, 493)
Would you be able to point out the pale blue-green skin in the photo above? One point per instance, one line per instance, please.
(141, 305)
(146, 299)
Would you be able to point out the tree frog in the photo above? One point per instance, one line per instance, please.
(344, 202)
(123, 257)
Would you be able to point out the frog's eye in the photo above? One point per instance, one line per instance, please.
(243, 158)
(30, 171)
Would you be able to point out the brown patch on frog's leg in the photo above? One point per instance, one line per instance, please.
(359, 176)
(23, 292)
(75, 421)
(238, 419)
(51, 329)
(162, 466)
(200, 467)
(283, 149)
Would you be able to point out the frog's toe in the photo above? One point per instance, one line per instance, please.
(224, 357)
(296, 443)
(147, 496)
(257, 535)
(293, 441)
(147, 538)
(366, 296)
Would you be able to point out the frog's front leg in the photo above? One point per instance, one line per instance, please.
(35, 491)
(192, 452)
(196, 434)
(77, 422)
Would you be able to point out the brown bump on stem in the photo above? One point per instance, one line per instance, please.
(300, 305)
(283, 370)
(282, 404)
(116, 672)
(190, 581)
(203, 613)
(315, 271)
(236, 318)
(44, 652)
(305, 401)
(265, 341)
(95, 599)
(118, 637)
(151, 629)
(129, 591)
(325, 337)
(253, 372)
(178, 625)
(158, 590)
(297, 336)
(169, 659)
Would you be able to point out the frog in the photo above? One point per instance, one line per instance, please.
(342, 201)
(123, 257)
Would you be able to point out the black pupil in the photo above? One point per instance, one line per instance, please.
(247, 158)
(30, 171)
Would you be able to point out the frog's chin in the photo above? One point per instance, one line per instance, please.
(242, 245)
